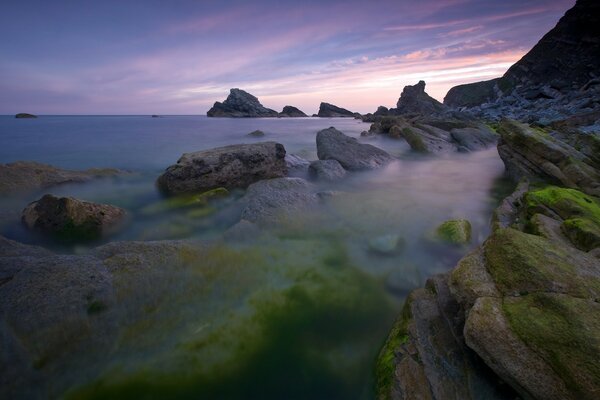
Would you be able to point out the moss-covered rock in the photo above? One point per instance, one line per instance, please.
(456, 231)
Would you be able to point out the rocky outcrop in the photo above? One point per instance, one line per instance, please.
(535, 154)
(414, 101)
(292, 112)
(72, 220)
(240, 104)
(235, 166)
(25, 115)
(557, 78)
(27, 176)
(327, 110)
(352, 155)
(326, 170)
(524, 304)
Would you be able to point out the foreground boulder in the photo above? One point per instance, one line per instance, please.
(534, 154)
(240, 104)
(292, 112)
(70, 219)
(352, 155)
(25, 176)
(235, 166)
(327, 110)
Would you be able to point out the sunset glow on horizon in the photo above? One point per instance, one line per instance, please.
(179, 58)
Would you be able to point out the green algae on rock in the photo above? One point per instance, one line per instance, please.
(456, 231)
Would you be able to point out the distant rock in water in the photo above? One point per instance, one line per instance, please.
(155, 116)
(256, 133)
(352, 155)
(292, 112)
(327, 110)
(557, 78)
(72, 220)
(240, 104)
(414, 100)
(234, 166)
(26, 176)
(25, 115)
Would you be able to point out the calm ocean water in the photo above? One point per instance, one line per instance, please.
(324, 341)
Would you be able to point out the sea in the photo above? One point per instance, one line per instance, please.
(300, 312)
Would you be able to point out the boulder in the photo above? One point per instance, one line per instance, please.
(352, 155)
(271, 201)
(292, 112)
(234, 166)
(240, 104)
(414, 100)
(456, 231)
(27, 176)
(327, 170)
(296, 164)
(327, 110)
(70, 219)
(25, 115)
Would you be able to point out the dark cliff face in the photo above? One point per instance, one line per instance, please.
(414, 100)
(564, 60)
(327, 110)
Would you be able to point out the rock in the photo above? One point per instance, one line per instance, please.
(472, 94)
(352, 155)
(70, 219)
(295, 163)
(268, 202)
(155, 116)
(234, 166)
(532, 153)
(256, 133)
(327, 170)
(292, 112)
(243, 231)
(473, 139)
(381, 111)
(25, 115)
(390, 244)
(27, 176)
(240, 104)
(367, 134)
(195, 201)
(327, 110)
(457, 231)
(414, 100)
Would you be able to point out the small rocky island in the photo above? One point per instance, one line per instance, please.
(241, 104)
(25, 115)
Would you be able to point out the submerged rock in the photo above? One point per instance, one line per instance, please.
(72, 220)
(390, 244)
(25, 115)
(240, 104)
(352, 155)
(234, 166)
(327, 170)
(26, 176)
(292, 112)
(327, 110)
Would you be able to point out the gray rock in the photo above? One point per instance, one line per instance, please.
(414, 100)
(235, 166)
(27, 176)
(296, 163)
(352, 155)
(256, 133)
(292, 112)
(271, 201)
(240, 104)
(389, 245)
(70, 219)
(327, 170)
(327, 110)
(474, 138)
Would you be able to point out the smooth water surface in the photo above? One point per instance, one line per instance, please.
(301, 311)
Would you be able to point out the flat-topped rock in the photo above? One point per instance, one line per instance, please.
(240, 104)
(70, 219)
(25, 176)
(352, 155)
(327, 110)
(25, 115)
(292, 112)
(234, 166)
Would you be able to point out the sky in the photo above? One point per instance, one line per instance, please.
(179, 57)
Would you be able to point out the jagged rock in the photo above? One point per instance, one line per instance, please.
(234, 166)
(25, 115)
(70, 219)
(352, 155)
(240, 104)
(414, 100)
(26, 176)
(535, 154)
(270, 201)
(292, 112)
(327, 110)
(327, 170)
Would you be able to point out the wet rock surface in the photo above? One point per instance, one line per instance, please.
(327, 170)
(352, 155)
